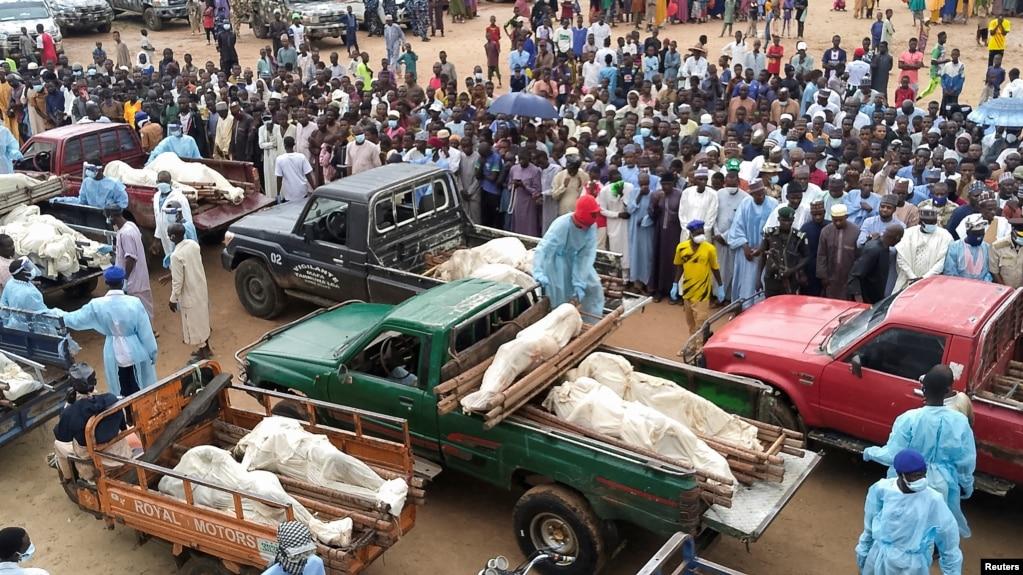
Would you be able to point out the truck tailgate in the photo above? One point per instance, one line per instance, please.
(208, 217)
(755, 507)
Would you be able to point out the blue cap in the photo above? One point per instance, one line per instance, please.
(909, 461)
(141, 117)
(114, 274)
(694, 224)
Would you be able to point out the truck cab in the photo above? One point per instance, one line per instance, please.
(847, 370)
(63, 150)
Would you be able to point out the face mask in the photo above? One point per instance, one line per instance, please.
(790, 144)
(479, 76)
(774, 179)
(360, 138)
(644, 132)
(939, 201)
(704, 140)
(592, 147)
(974, 239)
(699, 239)
(918, 485)
(392, 123)
(163, 187)
(1018, 240)
(928, 228)
(90, 173)
(836, 143)
(1010, 138)
(28, 553)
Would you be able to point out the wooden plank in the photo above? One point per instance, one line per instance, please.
(198, 406)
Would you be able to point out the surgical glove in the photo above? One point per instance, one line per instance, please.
(105, 250)
(967, 492)
(719, 293)
(674, 291)
(580, 294)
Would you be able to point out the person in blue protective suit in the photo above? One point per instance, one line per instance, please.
(21, 294)
(943, 436)
(10, 151)
(129, 353)
(97, 191)
(296, 552)
(16, 547)
(563, 264)
(903, 520)
(178, 142)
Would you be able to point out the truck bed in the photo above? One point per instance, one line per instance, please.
(129, 494)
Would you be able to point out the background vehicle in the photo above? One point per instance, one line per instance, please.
(15, 15)
(576, 485)
(845, 371)
(361, 237)
(195, 407)
(321, 18)
(63, 150)
(154, 12)
(82, 14)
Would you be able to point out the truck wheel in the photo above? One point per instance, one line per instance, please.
(291, 409)
(783, 414)
(103, 28)
(257, 290)
(152, 19)
(199, 565)
(555, 517)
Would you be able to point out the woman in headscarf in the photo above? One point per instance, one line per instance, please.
(296, 552)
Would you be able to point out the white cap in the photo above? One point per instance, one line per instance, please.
(785, 117)
(800, 46)
(706, 119)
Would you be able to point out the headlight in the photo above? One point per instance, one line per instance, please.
(313, 20)
(228, 238)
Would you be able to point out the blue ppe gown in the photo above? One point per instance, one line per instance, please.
(129, 336)
(900, 531)
(563, 266)
(10, 151)
(945, 439)
(98, 194)
(22, 295)
(183, 146)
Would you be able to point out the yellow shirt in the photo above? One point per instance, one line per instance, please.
(129, 112)
(996, 34)
(697, 265)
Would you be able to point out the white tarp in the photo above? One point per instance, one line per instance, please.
(281, 445)
(214, 465)
(674, 401)
(13, 182)
(530, 347)
(503, 273)
(50, 243)
(587, 403)
(182, 174)
(477, 262)
(20, 383)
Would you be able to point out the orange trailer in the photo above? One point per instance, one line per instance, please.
(214, 542)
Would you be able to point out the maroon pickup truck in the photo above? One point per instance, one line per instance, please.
(63, 150)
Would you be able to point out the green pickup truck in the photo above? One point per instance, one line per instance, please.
(389, 358)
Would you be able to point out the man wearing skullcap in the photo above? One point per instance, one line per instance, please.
(904, 520)
(812, 230)
(870, 274)
(875, 225)
(698, 202)
(129, 352)
(996, 228)
(744, 239)
(942, 434)
(921, 253)
(968, 256)
(836, 252)
(785, 252)
(729, 199)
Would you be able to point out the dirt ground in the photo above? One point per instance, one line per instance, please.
(465, 521)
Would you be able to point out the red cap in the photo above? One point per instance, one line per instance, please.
(586, 211)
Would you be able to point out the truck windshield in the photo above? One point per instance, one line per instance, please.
(851, 330)
(23, 11)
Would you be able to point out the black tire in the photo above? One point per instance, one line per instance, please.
(103, 28)
(152, 19)
(782, 413)
(257, 290)
(80, 291)
(558, 518)
(201, 565)
(291, 409)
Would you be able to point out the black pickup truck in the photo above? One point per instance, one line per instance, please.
(369, 237)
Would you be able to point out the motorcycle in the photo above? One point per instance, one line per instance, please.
(499, 565)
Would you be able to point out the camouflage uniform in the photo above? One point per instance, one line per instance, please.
(785, 256)
(373, 24)
(419, 17)
(391, 7)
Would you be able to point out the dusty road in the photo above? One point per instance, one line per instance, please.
(465, 521)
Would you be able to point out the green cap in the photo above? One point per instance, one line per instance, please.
(732, 165)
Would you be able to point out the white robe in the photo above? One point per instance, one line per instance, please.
(272, 145)
(698, 206)
(188, 290)
(617, 228)
(920, 255)
(160, 233)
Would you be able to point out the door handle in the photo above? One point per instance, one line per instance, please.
(406, 402)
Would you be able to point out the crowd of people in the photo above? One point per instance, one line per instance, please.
(808, 172)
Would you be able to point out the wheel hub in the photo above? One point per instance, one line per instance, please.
(548, 531)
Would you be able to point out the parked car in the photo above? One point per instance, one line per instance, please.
(154, 12)
(27, 14)
(82, 14)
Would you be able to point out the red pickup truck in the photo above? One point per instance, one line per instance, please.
(63, 150)
(844, 371)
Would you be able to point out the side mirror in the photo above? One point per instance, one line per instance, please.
(856, 365)
(309, 231)
(343, 375)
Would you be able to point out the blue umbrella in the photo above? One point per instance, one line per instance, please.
(1006, 112)
(523, 104)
